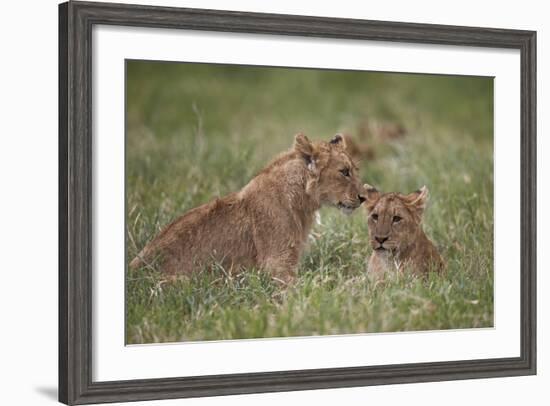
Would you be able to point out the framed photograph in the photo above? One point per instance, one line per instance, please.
(258, 203)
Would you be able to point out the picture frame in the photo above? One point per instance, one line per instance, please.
(76, 352)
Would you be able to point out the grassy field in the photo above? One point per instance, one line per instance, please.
(195, 132)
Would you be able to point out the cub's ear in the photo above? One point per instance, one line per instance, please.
(303, 145)
(338, 141)
(371, 195)
(418, 199)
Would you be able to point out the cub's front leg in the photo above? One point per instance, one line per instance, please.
(282, 265)
(278, 253)
(378, 265)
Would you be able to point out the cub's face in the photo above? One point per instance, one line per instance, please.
(332, 175)
(394, 219)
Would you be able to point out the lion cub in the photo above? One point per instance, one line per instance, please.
(265, 224)
(396, 235)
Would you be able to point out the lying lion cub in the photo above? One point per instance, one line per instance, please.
(266, 224)
(396, 235)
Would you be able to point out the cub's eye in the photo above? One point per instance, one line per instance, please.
(397, 219)
(345, 172)
(375, 217)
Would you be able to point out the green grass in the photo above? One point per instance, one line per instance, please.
(195, 132)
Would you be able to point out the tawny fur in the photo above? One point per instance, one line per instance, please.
(358, 149)
(396, 235)
(266, 224)
(370, 133)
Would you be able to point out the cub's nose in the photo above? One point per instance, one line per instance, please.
(361, 199)
(381, 240)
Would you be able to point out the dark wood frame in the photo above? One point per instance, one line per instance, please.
(76, 20)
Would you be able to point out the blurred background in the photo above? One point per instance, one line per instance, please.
(199, 131)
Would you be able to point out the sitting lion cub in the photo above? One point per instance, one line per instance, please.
(266, 224)
(396, 235)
